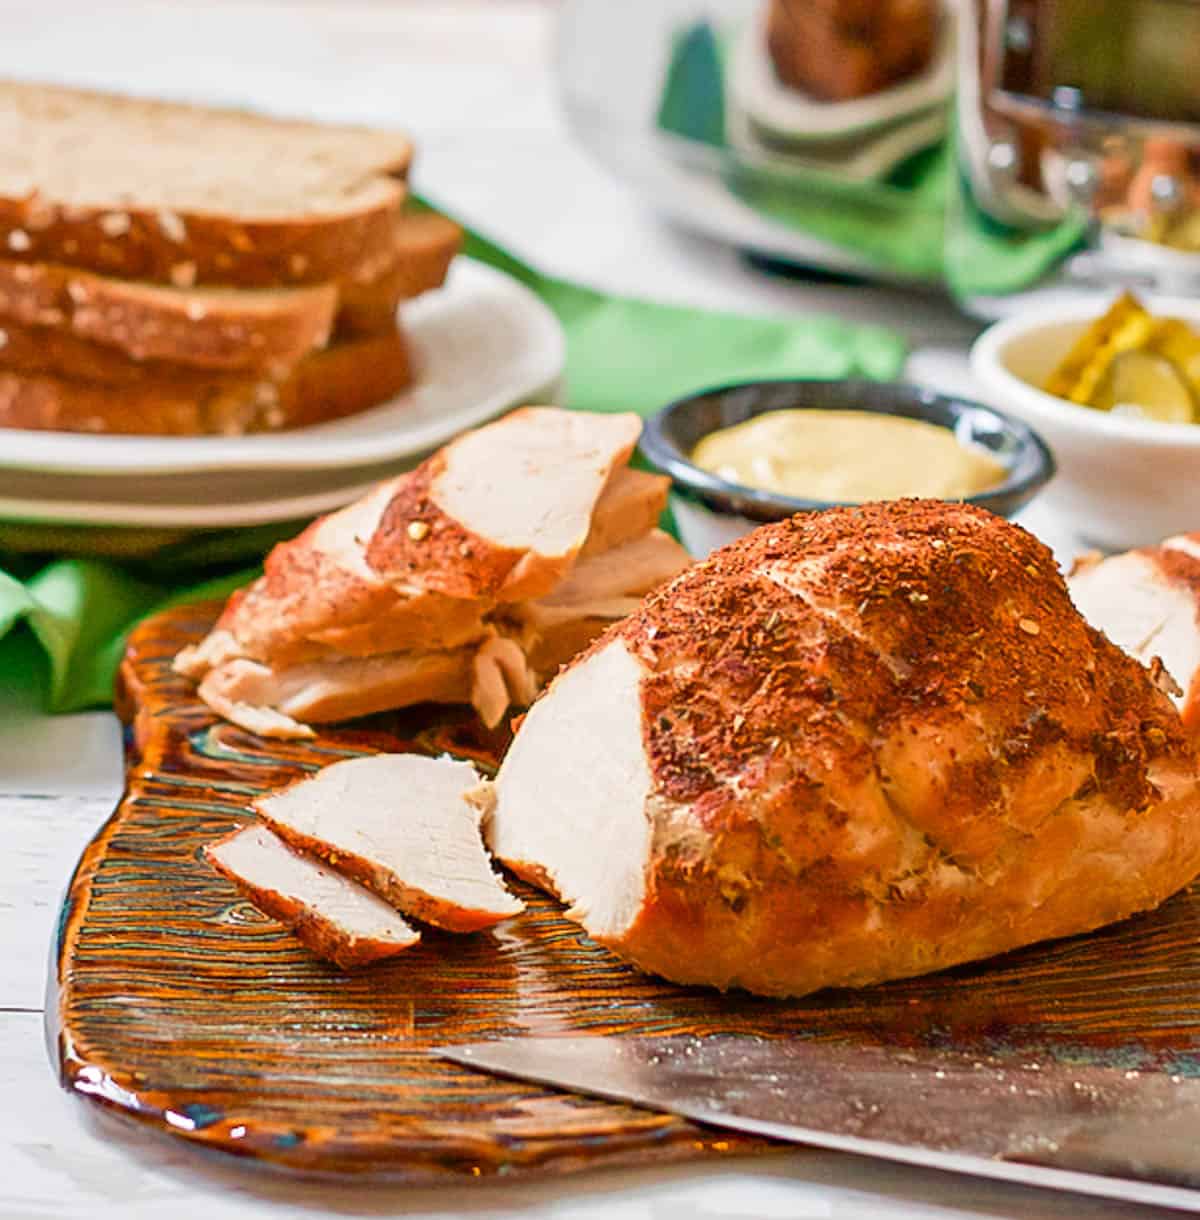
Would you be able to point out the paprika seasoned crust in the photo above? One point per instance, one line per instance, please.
(853, 746)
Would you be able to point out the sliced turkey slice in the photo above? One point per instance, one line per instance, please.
(571, 793)
(278, 702)
(501, 676)
(556, 642)
(1148, 603)
(502, 511)
(629, 506)
(404, 825)
(629, 570)
(318, 594)
(599, 590)
(336, 918)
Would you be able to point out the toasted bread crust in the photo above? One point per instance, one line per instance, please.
(265, 330)
(426, 243)
(216, 330)
(222, 250)
(338, 381)
(185, 195)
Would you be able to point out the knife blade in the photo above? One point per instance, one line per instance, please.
(1098, 1130)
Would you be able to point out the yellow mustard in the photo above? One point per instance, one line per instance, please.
(847, 457)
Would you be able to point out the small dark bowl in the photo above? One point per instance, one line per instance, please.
(673, 433)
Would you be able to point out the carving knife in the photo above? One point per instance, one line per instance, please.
(1089, 1127)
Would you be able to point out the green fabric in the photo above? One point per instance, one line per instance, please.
(622, 354)
(985, 258)
(918, 220)
(693, 98)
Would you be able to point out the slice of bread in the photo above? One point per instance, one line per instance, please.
(266, 329)
(62, 353)
(426, 243)
(189, 195)
(215, 328)
(340, 380)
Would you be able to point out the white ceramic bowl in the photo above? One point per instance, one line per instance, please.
(1122, 482)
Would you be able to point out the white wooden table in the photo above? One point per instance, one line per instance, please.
(472, 82)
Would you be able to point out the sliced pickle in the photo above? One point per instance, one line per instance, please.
(1126, 326)
(1150, 383)
(1180, 344)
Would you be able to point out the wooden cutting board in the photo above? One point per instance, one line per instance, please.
(181, 1007)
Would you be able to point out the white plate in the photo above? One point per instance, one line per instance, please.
(601, 42)
(790, 115)
(197, 499)
(1172, 272)
(864, 161)
(190, 516)
(481, 344)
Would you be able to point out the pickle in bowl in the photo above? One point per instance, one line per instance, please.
(1132, 363)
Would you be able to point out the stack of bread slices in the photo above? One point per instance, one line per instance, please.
(470, 579)
(173, 269)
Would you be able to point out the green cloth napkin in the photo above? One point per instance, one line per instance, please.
(622, 354)
(919, 220)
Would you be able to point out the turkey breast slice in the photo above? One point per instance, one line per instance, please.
(571, 793)
(1148, 603)
(503, 510)
(318, 594)
(405, 825)
(629, 570)
(599, 590)
(336, 918)
(629, 506)
(277, 703)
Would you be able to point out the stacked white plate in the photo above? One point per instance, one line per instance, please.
(602, 41)
(864, 137)
(481, 344)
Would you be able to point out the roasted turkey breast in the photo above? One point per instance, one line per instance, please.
(853, 746)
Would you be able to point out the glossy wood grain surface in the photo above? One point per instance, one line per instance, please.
(181, 1007)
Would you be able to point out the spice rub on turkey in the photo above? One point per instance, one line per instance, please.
(853, 746)
(470, 579)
